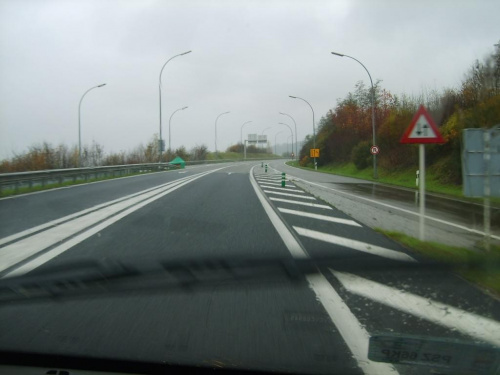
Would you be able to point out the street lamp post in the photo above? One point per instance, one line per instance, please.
(169, 132)
(275, 141)
(296, 150)
(241, 132)
(80, 124)
(288, 126)
(224, 113)
(314, 126)
(159, 88)
(375, 174)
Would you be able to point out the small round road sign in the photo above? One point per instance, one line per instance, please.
(374, 150)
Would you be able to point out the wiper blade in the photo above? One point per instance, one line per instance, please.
(90, 277)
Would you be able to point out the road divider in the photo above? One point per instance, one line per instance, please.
(351, 330)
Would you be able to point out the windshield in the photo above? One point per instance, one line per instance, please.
(279, 186)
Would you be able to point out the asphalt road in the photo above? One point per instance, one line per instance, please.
(318, 324)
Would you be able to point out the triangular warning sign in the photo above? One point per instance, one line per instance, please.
(422, 129)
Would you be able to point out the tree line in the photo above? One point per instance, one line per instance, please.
(344, 134)
(46, 156)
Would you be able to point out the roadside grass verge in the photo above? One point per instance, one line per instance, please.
(477, 266)
(23, 190)
(403, 178)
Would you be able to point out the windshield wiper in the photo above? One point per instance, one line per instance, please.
(92, 277)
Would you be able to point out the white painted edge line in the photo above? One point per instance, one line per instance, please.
(45, 257)
(290, 195)
(301, 203)
(400, 209)
(268, 186)
(320, 217)
(38, 228)
(471, 324)
(353, 244)
(22, 249)
(291, 243)
(351, 330)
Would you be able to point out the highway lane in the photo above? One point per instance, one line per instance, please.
(25, 211)
(287, 327)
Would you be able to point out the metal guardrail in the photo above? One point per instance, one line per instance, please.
(43, 178)
(18, 180)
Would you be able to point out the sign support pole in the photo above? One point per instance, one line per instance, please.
(487, 192)
(421, 165)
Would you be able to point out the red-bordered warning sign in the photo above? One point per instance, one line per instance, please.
(422, 129)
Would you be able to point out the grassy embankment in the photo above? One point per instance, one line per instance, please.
(479, 267)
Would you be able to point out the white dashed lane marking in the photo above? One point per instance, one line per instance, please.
(290, 195)
(266, 186)
(319, 217)
(300, 203)
(354, 244)
(439, 313)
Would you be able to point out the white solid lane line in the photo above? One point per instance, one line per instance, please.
(290, 195)
(319, 217)
(18, 251)
(474, 325)
(346, 323)
(266, 186)
(288, 238)
(52, 223)
(300, 203)
(353, 244)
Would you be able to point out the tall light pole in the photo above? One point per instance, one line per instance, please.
(375, 174)
(296, 150)
(288, 126)
(314, 126)
(224, 113)
(80, 124)
(278, 133)
(159, 87)
(169, 133)
(241, 135)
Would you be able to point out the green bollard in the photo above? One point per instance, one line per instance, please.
(262, 165)
(266, 168)
(283, 176)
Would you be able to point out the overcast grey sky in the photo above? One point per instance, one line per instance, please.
(248, 56)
